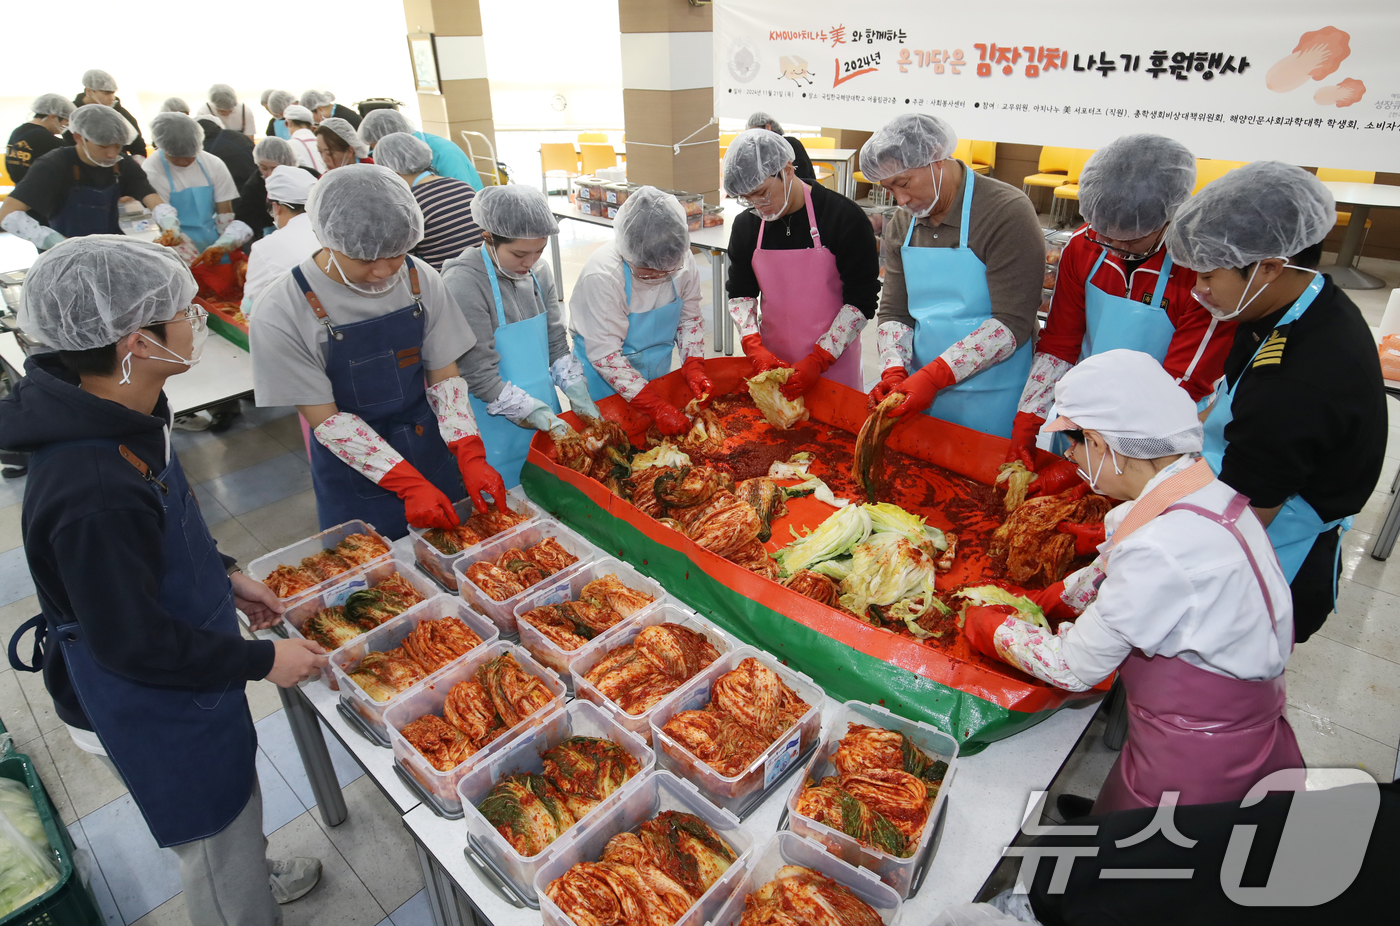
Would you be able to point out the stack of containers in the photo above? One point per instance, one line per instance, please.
(520, 537)
(1055, 241)
(293, 554)
(694, 206)
(439, 564)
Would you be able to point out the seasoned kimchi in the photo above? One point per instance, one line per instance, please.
(517, 569)
(799, 896)
(479, 527)
(663, 657)
(750, 707)
(354, 550)
(601, 604)
(363, 611)
(1036, 554)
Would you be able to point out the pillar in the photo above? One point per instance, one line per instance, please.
(668, 93)
(465, 101)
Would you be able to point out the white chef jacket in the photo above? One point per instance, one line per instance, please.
(275, 254)
(303, 144)
(225, 190)
(598, 307)
(240, 120)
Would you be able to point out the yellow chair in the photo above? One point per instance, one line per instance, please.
(598, 156)
(1338, 175)
(1208, 169)
(592, 137)
(963, 152)
(823, 169)
(1066, 194)
(983, 157)
(1054, 168)
(557, 158)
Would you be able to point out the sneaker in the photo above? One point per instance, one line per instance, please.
(196, 422)
(293, 878)
(223, 421)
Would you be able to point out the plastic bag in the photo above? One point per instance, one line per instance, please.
(975, 914)
(25, 872)
(17, 804)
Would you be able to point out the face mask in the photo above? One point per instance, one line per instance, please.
(373, 289)
(509, 275)
(1093, 480)
(201, 334)
(937, 188)
(787, 190)
(100, 162)
(1223, 315)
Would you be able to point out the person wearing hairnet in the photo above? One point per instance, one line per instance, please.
(286, 192)
(303, 140)
(143, 657)
(252, 208)
(233, 148)
(71, 192)
(338, 144)
(197, 184)
(805, 257)
(174, 104)
(801, 161)
(364, 341)
(101, 87)
(322, 103)
(276, 104)
(637, 298)
(448, 159)
(223, 104)
(448, 228)
(506, 291)
(1298, 423)
(964, 263)
(1186, 602)
(37, 137)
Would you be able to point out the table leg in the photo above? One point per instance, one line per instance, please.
(558, 266)
(1343, 273)
(445, 901)
(717, 301)
(315, 758)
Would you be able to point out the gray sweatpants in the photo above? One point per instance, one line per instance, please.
(225, 876)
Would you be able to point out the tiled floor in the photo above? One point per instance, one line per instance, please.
(255, 490)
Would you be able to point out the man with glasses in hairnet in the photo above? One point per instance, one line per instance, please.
(197, 184)
(138, 638)
(364, 340)
(101, 87)
(637, 298)
(37, 137)
(1298, 423)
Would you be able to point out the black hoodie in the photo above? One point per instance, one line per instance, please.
(92, 535)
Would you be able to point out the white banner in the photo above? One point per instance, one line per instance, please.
(1306, 82)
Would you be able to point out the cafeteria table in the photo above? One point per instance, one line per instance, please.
(1361, 197)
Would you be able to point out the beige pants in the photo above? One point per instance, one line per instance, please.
(225, 876)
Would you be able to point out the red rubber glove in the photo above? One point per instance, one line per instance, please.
(890, 381)
(761, 357)
(477, 474)
(663, 414)
(806, 372)
(694, 372)
(980, 623)
(923, 386)
(424, 505)
(1052, 603)
(1087, 537)
(1024, 429)
(1055, 478)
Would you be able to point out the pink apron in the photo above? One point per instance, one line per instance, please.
(801, 298)
(1189, 730)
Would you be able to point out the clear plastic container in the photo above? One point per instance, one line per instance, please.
(898, 873)
(692, 203)
(578, 719)
(739, 793)
(791, 849)
(713, 216)
(389, 635)
(657, 792)
(546, 650)
(439, 789)
(589, 188)
(439, 564)
(292, 555)
(694, 222)
(623, 634)
(526, 535)
(615, 194)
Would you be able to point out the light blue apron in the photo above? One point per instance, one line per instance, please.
(279, 128)
(1118, 322)
(650, 337)
(1296, 527)
(948, 298)
(524, 350)
(196, 207)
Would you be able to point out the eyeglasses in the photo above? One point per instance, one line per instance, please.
(652, 276)
(751, 201)
(1124, 253)
(196, 315)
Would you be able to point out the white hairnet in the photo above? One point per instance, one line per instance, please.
(400, 152)
(262, 100)
(1127, 397)
(513, 211)
(760, 120)
(380, 122)
(102, 125)
(311, 99)
(278, 101)
(98, 79)
(347, 134)
(289, 185)
(754, 156)
(175, 105)
(905, 142)
(93, 291)
(365, 211)
(274, 149)
(177, 135)
(52, 104)
(221, 96)
(651, 230)
(295, 112)
(1131, 187)
(1261, 210)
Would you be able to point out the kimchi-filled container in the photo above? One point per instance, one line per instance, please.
(692, 203)
(347, 659)
(742, 792)
(439, 789)
(610, 210)
(624, 634)
(657, 792)
(712, 217)
(518, 538)
(790, 849)
(546, 650)
(897, 872)
(615, 194)
(292, 555)
(523, 756)
(439, 564)
(589, 188)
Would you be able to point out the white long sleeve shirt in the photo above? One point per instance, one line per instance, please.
(303, 144)
(275, 254)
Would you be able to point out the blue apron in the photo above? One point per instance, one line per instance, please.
(523, 347)
(1296, 527)
(376, 372)
(650, 337)
(89, 210)
(1119, 322)
(948, 298)
(187, 754)
(196, 207)
(279, 128)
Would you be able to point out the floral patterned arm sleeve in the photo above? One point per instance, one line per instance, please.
(1036, 651)
(690, 338)
(987, 345)
(358, 445)
(454, 411)
(844, 331)
(744, 311)
(896, 343)
(1039, 394)
(620, 375)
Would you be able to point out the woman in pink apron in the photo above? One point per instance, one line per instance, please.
(1186, 598)
(804, 270)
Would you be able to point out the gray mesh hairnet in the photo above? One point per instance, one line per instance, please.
(347, 133)
(276, 150)
(177, 135)
(279, 100)
(754, 156)
(1264, 209)
(1132, 186)
(262, 100)
(513, 211)
(312, 99)
(905, 142)
(222, 96)
(52, 104)
(380, 122)
(400, 152)
(175, 105)
(759, 120)
(365, 211)
(98, 79)
(93, 291)
(651, 230)
(101, 125)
